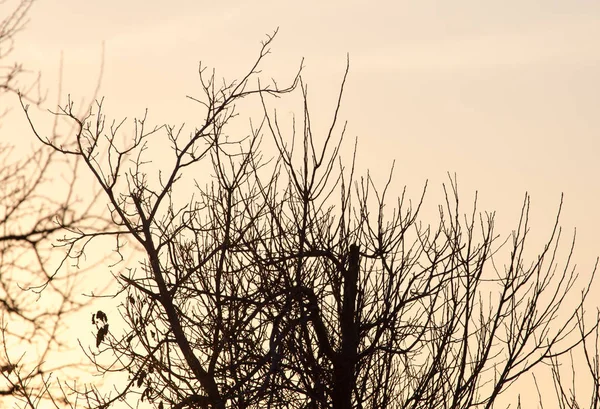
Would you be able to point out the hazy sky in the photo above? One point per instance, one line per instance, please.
(504, 93)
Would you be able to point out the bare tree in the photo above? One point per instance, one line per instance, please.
(290, 282)
(39, 206)
(12, 73)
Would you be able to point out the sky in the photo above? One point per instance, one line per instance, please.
(504, 94)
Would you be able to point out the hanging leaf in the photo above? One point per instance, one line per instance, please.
(101, 316)
(101, 335)
(140, 378)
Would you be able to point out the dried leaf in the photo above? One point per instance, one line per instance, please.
(8, 368)
(101, 316)
(101, 335)
(140, 378)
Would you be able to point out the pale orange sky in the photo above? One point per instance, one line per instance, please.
(505, 93)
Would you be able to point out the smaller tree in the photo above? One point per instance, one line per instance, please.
(39, 207)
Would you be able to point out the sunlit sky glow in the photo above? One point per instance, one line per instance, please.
(504, 94)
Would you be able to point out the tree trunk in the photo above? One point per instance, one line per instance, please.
(344, 377)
